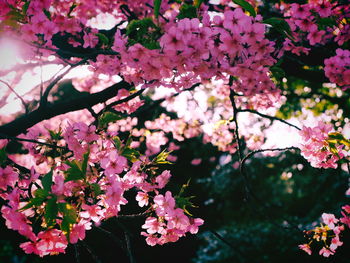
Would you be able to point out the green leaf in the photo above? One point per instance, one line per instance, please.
(69, 213)
(55, 135)
(36, 201)
(336, 137)
(131, 154)
(47, 13)
(41, 193)
(145, 32)
(69, 217)
(77, 170)
(246, 6)
(51, 210)
(108, 117)
(156, 7)
(184, 203)
(46, 181)
(3, 155)
(74, 172)
(161, 158)
(66, 227)
(102, 38)
(128, 141)
(277, 72)
(197, 3)
(25, 7)
(85, 163)
(280, 25)
(326, 22)
(187, 11)
(97, 189)
(117, 142)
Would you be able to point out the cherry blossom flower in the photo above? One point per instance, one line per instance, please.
(329, 219)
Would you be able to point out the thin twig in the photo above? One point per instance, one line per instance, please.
(91, 252)
(236, 132)
(73, 54)
(4, 136)
(235, 111)
(43, 99)
(17, 95)
(142, 214)
(264, 150)
(128, 247)
(269, 117)
(110, 234)
(76, 253)
(109, 107)
(22, 67)
(161, 15)
(249, 191)
(19, 167)
(224, 240)
(132, 96)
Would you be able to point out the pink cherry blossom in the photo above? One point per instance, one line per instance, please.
(142, 199)
(77, 233)
(8, 177)
(306, 248)
(152, 225)
(326, 252)
(163, 179)
(330, 220)
(113, 163)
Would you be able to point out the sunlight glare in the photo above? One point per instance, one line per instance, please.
(9, 53)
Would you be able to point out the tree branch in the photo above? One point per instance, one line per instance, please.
(249, 155)
(43, 99)
(4, 136)
(85, 101)
(110, 234)
(128, 247)
(115, 103)
(76, 253)
(17, 95)
(269, 117)
(91, 252)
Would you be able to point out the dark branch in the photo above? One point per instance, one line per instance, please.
(4, 136)
(249, 155)
(132, 96)
(43, 99)
(85, 101)
(128, 247)
(91, 252)
(269, 117)
(76, 253)
(17, 95)
(110, 234)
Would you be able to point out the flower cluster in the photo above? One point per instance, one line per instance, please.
(337, 68)
(321, 147)
(184, 51)
(309, 20)
(328, 234)
(170, 222)
(89, 172)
